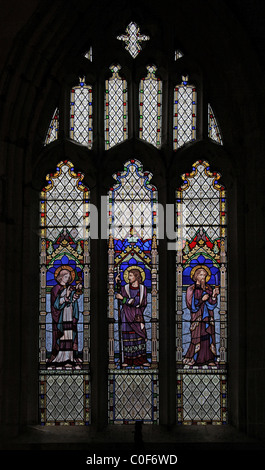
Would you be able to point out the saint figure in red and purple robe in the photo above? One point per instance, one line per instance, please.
(133, 301)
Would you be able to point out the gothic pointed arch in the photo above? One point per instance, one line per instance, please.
(47, 58)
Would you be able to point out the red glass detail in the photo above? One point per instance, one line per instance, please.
(192, 244)
(209, 244)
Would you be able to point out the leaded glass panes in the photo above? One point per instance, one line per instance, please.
(81, 129)
(201, 298)
(184, 113)
(64, 298)
(116, 109)
(64, 398)
(133, 297)
(150, 102)
(178, 54)
(213, 128)
(133, 39)
(52, 133)
(89, 54)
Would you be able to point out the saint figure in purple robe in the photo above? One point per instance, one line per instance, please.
(133, 301)
(201, 300)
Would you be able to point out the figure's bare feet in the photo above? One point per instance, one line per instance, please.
(124, 365)
(189, 362)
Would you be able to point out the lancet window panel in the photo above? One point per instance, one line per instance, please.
(116, 109)
(133, 297)
(150, 103)
(184, 113)
(64, 319)
(81, 118)
(53, 130)
(201, 297)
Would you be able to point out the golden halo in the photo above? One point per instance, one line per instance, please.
(127, 270)
(67, 268)
(201, 266)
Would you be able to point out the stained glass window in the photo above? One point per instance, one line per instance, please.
(116, 109)
(201, 290)
(81, 129)
(133, 297)
(64, 378)
(178, 54)
(184, 113)
(213, 128)
(88, 55)
(133, 39)
(52, 133)
(150, 101)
